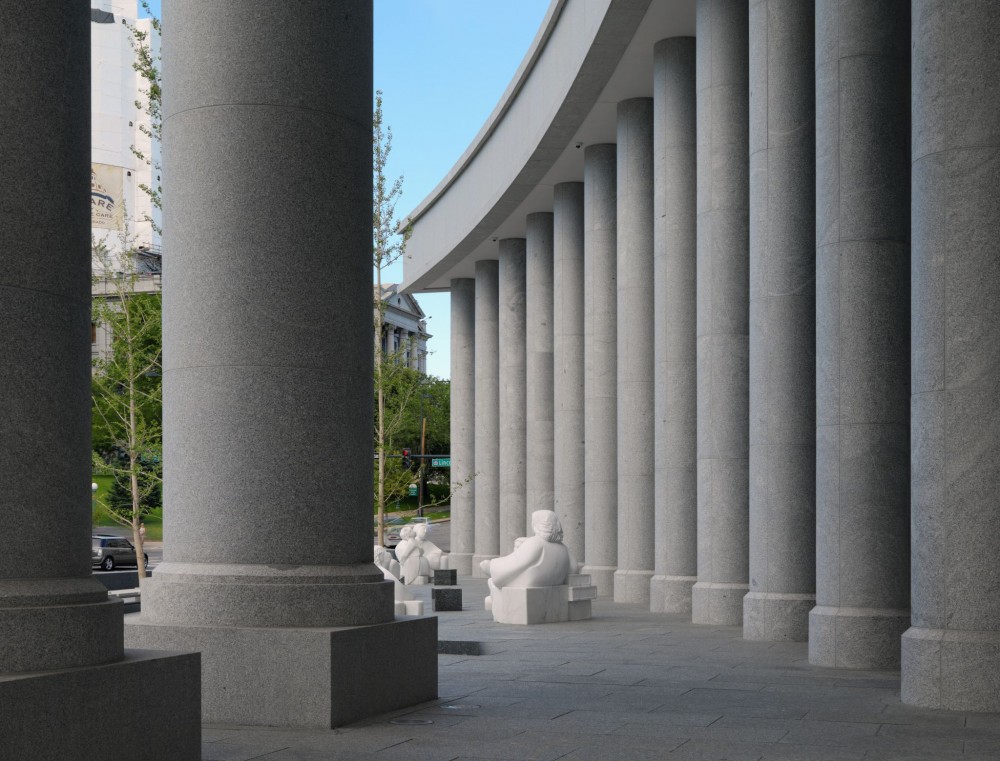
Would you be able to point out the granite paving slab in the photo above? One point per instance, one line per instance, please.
(629, 685)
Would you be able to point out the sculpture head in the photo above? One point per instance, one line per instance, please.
(406, 533)
(545, 524)
(420, 531)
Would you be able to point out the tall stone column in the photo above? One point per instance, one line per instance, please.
(600, 386)
(567, 353)
(674, 315)
(635, 355)
(782, 322)
(487, 481)
(862, 333)
(951, 654)
(463, 423)
(723, 312)
(513, 435)
(540, 401)
(268, 421)
(61, 635)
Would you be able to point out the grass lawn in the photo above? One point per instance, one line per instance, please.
(100, 518)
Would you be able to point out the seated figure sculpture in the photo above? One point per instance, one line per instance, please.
(436, 558)
(414, 568)
(530, 585)
(405, 605)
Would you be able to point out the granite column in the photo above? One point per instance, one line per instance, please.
(61, 635)
(723, 312)
(951, 654)
(675, 353)
(862, 333)
(567, 353)
(463, 423)
(600, 387)
(513, 436)
(782, 322)
(540, 398)
(487, 481)
(267, 421)
(635, 359)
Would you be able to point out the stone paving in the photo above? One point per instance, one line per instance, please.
(629, 685)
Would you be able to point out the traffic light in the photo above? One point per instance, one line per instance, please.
(406, 459)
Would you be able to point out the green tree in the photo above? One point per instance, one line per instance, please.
(127, 385)
(388, 245)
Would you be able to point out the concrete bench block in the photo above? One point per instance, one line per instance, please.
(581, 593)
(447, 598)
(445, 577)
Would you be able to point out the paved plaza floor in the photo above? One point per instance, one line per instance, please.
(629, 685)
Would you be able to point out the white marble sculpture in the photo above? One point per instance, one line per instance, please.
(538, 582)
(405, 605)
(414, 568)
(434, 555)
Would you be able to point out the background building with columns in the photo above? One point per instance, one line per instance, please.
(404, 328)
(777, 224)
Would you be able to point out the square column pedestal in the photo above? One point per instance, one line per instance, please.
(320, 677)
(144, 706)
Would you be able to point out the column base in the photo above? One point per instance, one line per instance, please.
(60, 623)
(461, 562)
(318, 677)
(718, 603)
(856, 638)
(145, 706)
(777, 616)
(671, 594)
(602, 577)
(632, 586)
(477, 572)
(954, 670)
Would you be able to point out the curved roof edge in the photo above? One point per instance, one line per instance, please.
(548, 24)
(574, 54)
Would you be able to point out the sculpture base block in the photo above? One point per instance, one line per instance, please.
(409, 608)
(526, 606)
(146, 706)
(307, 677)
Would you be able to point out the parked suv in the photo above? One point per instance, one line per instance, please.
(110, 551)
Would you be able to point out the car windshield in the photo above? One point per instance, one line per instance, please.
(96, 542)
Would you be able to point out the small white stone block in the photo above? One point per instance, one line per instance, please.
(579, 580)
(575, 594)
(414, 607)
(579, 610)
(400, 608)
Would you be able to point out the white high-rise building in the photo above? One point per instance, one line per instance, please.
(120, 128)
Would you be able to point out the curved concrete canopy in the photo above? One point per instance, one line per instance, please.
(587, 56)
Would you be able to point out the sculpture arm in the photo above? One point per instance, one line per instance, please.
(505, 569)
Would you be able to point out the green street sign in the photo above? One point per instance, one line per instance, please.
(440, 462)
(413, 490)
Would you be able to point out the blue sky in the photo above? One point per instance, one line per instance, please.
(442, 65)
